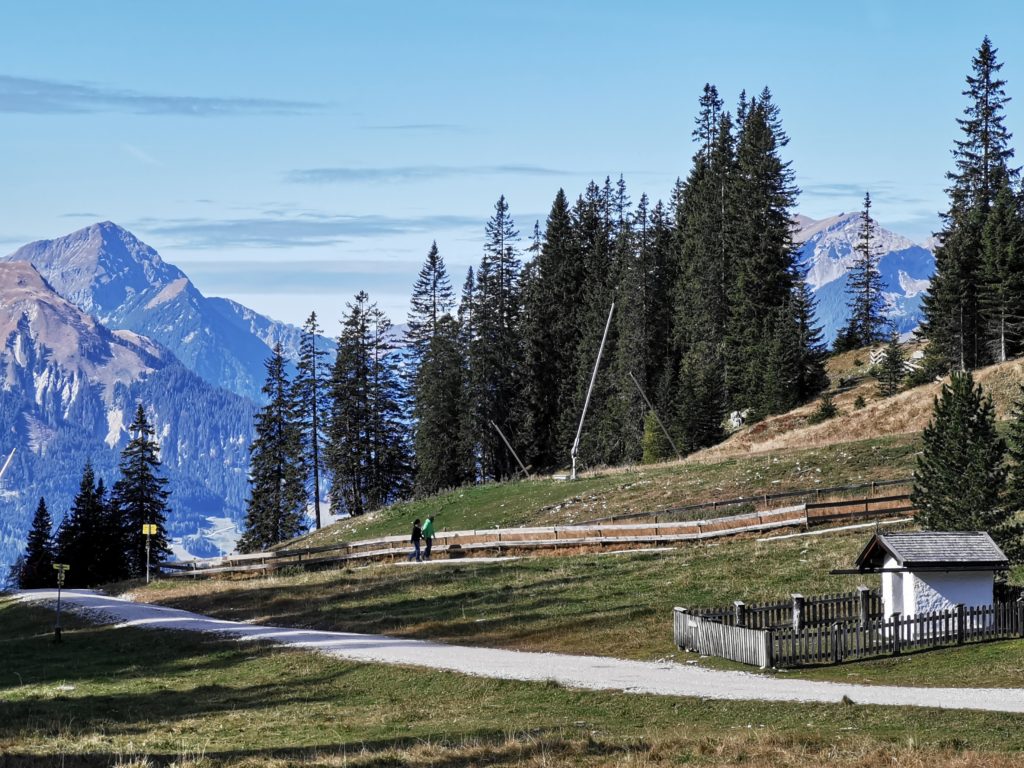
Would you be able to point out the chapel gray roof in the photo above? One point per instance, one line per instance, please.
(935, 549)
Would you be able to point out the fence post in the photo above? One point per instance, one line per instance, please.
(897, 639)
(960, 624)
(679, 626)
(769, 646)
(1020, 616)
(739, 612)
(863, 595)
(798, 612)
(837, 649)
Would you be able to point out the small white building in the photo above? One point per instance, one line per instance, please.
(927, 571)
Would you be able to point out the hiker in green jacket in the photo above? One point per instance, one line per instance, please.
(428, 536)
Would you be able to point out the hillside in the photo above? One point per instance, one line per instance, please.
(781, 453)
(906, 413)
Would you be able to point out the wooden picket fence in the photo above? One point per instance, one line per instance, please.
(836, 628)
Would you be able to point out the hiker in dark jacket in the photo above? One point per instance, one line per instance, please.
(428, 535)
(417, 534)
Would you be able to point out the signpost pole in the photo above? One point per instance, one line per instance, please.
(61, 569)
(148, 529)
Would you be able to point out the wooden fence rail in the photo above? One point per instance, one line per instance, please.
(810, 496)
(501, 540)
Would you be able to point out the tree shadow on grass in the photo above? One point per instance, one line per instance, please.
(444, 749)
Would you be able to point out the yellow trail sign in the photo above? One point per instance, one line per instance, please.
(149, 529)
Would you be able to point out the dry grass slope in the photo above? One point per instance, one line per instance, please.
(906, 413)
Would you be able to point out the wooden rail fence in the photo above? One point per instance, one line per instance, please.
(501, 540)
(764, 501)
(837, 628)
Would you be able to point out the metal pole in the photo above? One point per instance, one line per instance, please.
(147, 557)
(593, 377)
(56, 629)
(656, 416)
(510, 448)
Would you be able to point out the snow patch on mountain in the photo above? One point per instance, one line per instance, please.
(912, 287)
(168, 293)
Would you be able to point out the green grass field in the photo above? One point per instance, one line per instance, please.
(611, 604)
(130, 697)
(638, 489)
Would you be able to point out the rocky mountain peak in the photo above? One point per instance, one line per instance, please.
(102, 268)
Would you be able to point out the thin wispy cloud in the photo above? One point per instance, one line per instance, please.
(298, 231)
(414, 127)
(82, 215)
(56, 97)
(881, 191)
(408, 173)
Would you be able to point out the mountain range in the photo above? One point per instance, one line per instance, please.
(827, 254)
(108, 273)
(93, 322)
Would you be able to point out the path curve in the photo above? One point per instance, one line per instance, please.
(586, 672)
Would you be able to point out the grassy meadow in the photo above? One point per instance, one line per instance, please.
(125, 697)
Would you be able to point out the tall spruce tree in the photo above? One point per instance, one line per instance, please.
(432, 299)
(865, 303)
(309, 395)
(594, 238)
(83, 532)
(441, 457)
(960, 475)
(368, 453)
(140, 496)
(549, 333)
(276, 507)
(1001, 298)
(468, 435)
(761, 371)
(705, 219)
(36, 568)
(952, 306)
(496, 351)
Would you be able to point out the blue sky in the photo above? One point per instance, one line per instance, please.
(288, 155)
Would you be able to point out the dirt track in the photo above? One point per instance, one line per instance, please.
(587, 672)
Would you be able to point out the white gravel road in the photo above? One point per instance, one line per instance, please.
(587, 672)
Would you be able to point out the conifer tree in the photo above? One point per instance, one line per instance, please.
(309, 395)
(83, 532)
(593, 239)
(866, 324)
(496, 348)
(140, 497)
(960, 475)
(892, 367)
(115, 545)
(368, 452)
(432, 298)
(36, 568)
(276, 507)
(468, 435)
(705, 219)
(549, 336)
(1002, 276)
(952, 309)
(760, 370)
(441, 459)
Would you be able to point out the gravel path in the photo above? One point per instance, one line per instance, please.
(588, 672)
